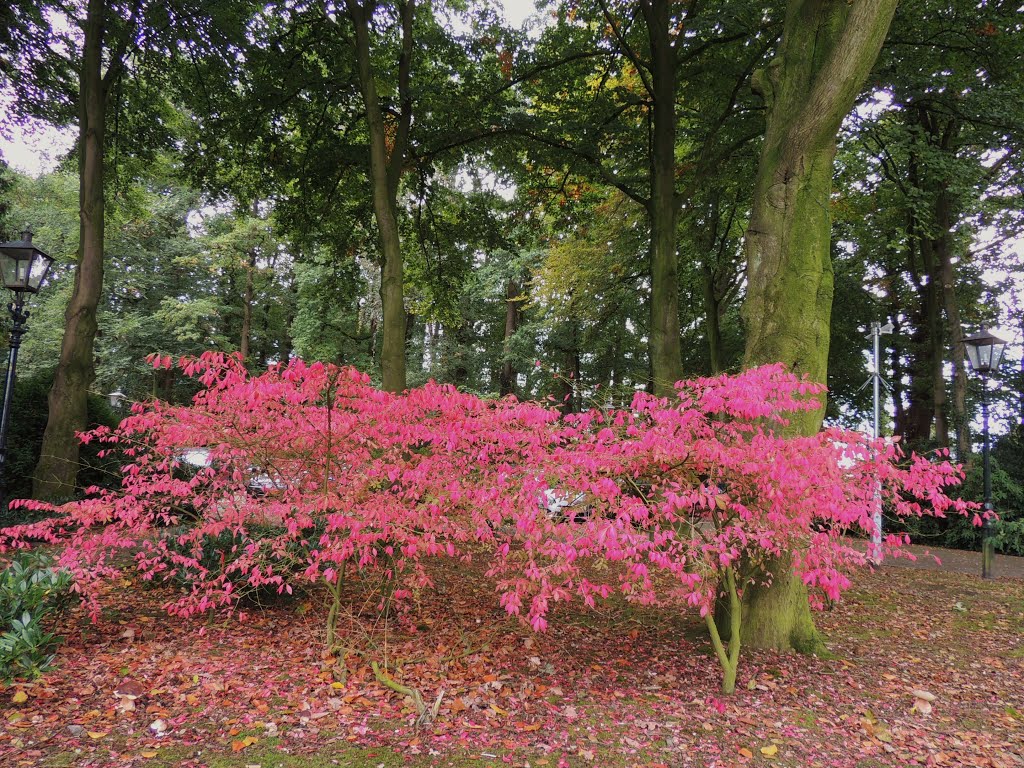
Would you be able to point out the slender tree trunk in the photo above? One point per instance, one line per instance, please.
(568, 382)
(664, 339)
(58, 462)
(388, 145)
(459, 337)
(415, 343)
(247, 302)
(513, 302)
(711, 317)
(827, 50)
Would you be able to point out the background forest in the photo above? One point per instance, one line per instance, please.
(429, 191)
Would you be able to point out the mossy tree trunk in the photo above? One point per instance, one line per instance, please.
(827, 50)
(58, 461)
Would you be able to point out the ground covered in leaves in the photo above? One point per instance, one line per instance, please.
(619, 686)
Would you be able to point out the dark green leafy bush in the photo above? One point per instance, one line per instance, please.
(1007, 466)
(29, 410)
(33, 595)
(218, 555)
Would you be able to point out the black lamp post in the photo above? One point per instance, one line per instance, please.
(23, 267)
(985, 352)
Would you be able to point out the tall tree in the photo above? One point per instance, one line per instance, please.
(943, 154)
(71, 68)
(389, 147)
(649, 98)
(827, 49)
(58, 462)
(382, 96)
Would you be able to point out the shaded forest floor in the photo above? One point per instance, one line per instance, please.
(619, 686)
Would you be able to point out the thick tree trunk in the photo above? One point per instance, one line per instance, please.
(933, 308)
(914, 423)
(58, 462)
(827, 49)
(943, 133)
(954, 327)
(664, 339)
(388, 145)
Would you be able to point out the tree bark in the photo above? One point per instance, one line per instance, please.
(664, 339)
(247, 302)
(954, 327)
(513, 303)
(388, 147)
(827, 50)
(57, 469)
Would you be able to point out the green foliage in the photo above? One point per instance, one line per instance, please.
(29, 408)
(33, 595)
(1007, 466)
(217, 555)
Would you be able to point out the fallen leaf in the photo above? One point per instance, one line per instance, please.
(97, 734)
(770, 751)
(239, 744)
(148, 755)
(20, 697)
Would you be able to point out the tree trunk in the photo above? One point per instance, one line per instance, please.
(388, 145)
(936, 348)
(513, 302)
(664, 339)
(914, 423)
(247, 301)
(58, 462)
(827, 49)
(954, 326)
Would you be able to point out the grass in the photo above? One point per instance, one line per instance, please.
(337, 754)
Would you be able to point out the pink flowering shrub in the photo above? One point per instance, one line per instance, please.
(692, 499)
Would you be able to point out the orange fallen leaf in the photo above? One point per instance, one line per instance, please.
(97, 734)
(746, 752)
(148, 755)
(239, 744)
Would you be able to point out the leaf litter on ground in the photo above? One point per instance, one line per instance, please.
(621, 685)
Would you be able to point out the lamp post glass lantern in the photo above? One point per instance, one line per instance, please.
(985, 351)
(23, 268)
(116, 399)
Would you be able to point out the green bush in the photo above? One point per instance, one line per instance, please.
(33, 594)
(218, 555)
(29, 411)
(956, 532)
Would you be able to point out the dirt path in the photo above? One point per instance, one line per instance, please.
(958, 561)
